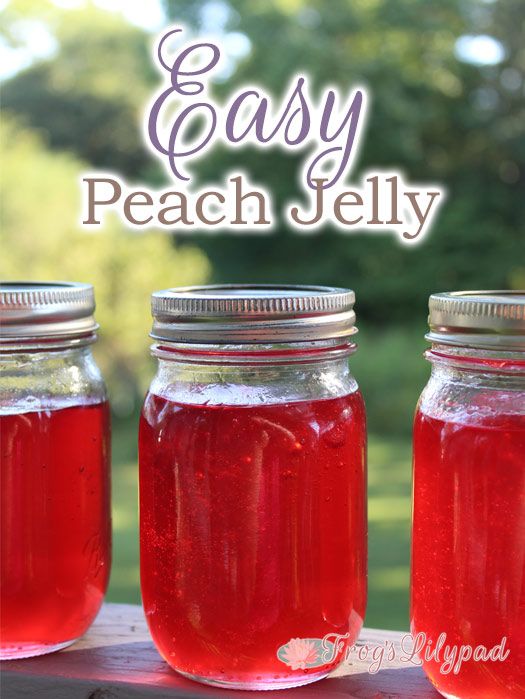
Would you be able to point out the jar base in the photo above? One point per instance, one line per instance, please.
(17, 651)
(257, 685)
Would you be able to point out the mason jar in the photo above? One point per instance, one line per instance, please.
(54, 462)
(252, 457)
(468, 547)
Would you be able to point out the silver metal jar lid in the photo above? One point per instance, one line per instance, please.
(478, 319)
(254, 313)
(32, 311)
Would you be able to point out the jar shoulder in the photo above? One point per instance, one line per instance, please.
(252, 385)
(33, 381)
(472, 398)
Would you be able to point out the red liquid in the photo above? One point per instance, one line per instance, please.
(468, 556)
(253, 532)
(55, 525)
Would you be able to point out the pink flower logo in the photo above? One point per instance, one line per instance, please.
(299, 653)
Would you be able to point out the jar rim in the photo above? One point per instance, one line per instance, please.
(477, 360)
(254, 354)
(252, 313)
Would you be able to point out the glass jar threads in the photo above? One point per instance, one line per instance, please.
(252, 454)
(468, 549)
(54, 461)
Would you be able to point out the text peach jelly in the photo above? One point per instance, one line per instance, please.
(54, 462)
(252, 484)
(468, 549)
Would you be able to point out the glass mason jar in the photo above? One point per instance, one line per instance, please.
(468, 547)
(54, 461)
(252, 457)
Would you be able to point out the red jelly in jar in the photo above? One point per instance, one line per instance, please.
(252, 485)
(468, 550)
(54, 464)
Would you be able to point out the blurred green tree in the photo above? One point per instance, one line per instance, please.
(434, 116)
(42, 239)
(88, 97)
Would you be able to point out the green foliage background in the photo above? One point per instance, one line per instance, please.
(432, 115)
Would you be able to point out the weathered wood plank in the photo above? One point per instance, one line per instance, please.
(117, 660)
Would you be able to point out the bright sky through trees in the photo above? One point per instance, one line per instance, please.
(37, 42)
